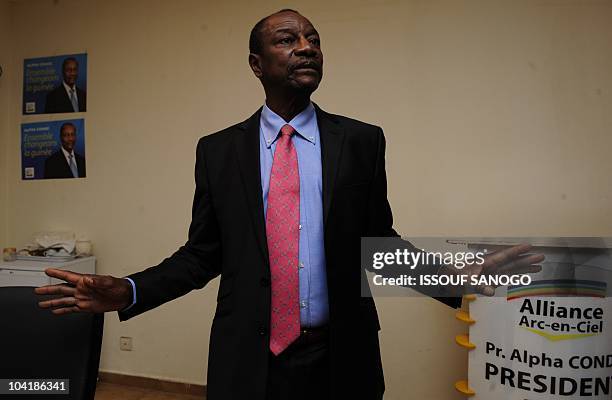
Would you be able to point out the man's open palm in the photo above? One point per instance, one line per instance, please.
(511, 261)
(85, 293)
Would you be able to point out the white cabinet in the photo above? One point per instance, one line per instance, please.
(32, 273)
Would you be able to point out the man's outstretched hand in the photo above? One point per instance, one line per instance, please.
(515, 260)
(85, 293)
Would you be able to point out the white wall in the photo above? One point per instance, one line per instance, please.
(497, 114)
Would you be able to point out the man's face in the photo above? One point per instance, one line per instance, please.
(291, 54)
(71, 72)
(68, 138)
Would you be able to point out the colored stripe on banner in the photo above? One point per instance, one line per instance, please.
(559, 288)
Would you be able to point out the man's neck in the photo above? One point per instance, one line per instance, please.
(70, 86)
(66, 151)
(288, 108)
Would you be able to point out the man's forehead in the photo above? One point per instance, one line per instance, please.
(287, 20)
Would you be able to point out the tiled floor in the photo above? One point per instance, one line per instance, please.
(111, 391)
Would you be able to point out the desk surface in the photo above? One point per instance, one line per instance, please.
(35, 265)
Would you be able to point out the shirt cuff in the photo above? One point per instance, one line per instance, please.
(133, 294)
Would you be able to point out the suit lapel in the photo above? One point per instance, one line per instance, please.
(66, 98)
(65, 165)
(247, 147)
(332, 138)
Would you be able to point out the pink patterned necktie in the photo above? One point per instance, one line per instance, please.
(282, 231)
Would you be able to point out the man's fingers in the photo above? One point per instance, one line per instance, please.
(56, 289)
(61, 302)
(531, 259)
(84, 305)
(510, 261)
(518, 263)
(68, 276)
(66, 305)
(501, 257)
(66, 310)
(61, 288)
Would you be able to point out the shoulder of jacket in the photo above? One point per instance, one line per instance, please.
(226, 135)
(55, 91)
(352, 125)
(363, 132)
(360, 125)
(220, 137)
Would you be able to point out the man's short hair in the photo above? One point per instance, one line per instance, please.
(255, 42)
(65, 124)
(67, 60)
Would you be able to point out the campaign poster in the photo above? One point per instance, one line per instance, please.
(541, 348)
(550, 339)
(55, 84)
(53, 150)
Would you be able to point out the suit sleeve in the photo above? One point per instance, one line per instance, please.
(191, 266)
(82, 95)
(380, 220)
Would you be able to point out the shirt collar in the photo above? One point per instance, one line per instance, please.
(305, 124)
(68, 88)
(66, 154)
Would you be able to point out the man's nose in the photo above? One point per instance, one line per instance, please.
(305, 47)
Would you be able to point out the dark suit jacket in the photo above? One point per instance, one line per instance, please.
(56, 166)
(59, 102)
(227, 237)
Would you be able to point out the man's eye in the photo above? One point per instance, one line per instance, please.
(315, 41)
(285, 40)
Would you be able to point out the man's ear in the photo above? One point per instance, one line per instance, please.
(255, 64)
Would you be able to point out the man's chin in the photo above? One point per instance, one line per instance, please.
(308, 85)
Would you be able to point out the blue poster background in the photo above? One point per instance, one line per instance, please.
(42, 75)
(40, 140)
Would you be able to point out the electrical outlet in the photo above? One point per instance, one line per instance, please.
(125, 343)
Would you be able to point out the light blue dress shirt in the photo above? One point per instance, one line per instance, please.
(314, 309)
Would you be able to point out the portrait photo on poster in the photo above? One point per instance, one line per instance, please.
(53, 150)
(56, 84)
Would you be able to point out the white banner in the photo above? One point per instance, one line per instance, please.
(531, 346)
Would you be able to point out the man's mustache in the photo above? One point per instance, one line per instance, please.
(306, 64)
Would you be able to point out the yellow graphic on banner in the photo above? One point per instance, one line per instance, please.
(556, 338)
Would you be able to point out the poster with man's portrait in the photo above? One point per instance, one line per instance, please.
(55, 84)
(53, 150)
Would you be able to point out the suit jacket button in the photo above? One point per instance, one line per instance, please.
(263, 331)
(265, 282)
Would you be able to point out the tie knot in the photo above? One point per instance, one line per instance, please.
(287, 130)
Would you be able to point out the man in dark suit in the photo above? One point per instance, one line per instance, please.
(281, 202)
(67, 97)
(66, 163)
